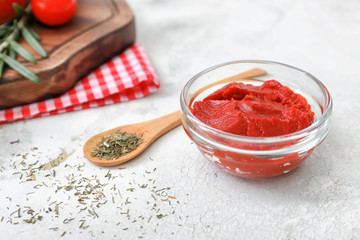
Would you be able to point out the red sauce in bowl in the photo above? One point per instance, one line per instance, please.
(270, 109)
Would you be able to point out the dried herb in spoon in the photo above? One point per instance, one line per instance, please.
(116, 145)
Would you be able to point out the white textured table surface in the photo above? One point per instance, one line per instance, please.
(320, 199)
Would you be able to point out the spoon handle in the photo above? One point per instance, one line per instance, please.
(159, 126)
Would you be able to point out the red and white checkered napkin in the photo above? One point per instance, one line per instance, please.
(126, 77)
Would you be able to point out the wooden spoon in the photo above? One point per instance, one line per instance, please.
(150, 130)
(153, 129)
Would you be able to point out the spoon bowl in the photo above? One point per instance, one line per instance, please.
(150, 131)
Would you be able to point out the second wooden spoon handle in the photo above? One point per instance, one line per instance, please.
(254, 72)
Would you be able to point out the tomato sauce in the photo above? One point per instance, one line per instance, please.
(270, 109)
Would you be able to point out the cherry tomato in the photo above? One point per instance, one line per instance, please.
(53, 12)
(7, 12)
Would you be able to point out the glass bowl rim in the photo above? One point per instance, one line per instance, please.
(287, 137)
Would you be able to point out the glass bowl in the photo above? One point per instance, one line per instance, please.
(256, 157)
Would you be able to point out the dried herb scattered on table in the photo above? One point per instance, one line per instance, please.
(116, 145)
(75, 198)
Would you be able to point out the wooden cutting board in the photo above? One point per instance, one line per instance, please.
(99, 30)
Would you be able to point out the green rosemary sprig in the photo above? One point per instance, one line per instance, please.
(9, 47)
